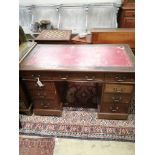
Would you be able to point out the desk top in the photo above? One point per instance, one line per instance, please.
(80, 58)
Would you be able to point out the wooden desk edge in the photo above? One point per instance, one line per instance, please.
(28, 51)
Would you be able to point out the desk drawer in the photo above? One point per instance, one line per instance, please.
(119, 77)
(129, 13)
(118, 88)
(128, 22)
(32, 84)
(42, 94)
(46, 104)
(114, 108)
(35, 75)
(116, 98)
(78, 76)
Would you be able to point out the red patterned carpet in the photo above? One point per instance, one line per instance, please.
(80, 124)
(36, 146)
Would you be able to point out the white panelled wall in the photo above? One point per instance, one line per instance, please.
(44, 2)
(82, 16)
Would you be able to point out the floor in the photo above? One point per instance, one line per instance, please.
(66, 146)
(87, 147)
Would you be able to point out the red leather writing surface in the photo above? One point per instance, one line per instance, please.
(79, 56)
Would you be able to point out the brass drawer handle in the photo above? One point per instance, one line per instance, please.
(120, 78)
(35, 76)
(90, 79)
(114, 109)
(64, 78)
(46, 106)
(117, 99)
(118, 90)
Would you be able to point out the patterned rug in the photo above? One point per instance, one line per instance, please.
(82, 124)
(36, 145)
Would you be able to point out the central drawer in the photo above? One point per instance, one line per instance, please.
(78, 76)
(118, 88)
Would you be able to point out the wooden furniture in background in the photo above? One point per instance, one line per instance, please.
(77, 40)
(25, 48)
(46, 67)
(126, 16)
(114, 36)
(54, 36)
(22, 36)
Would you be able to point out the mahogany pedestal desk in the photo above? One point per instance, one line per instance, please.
(47, 67)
